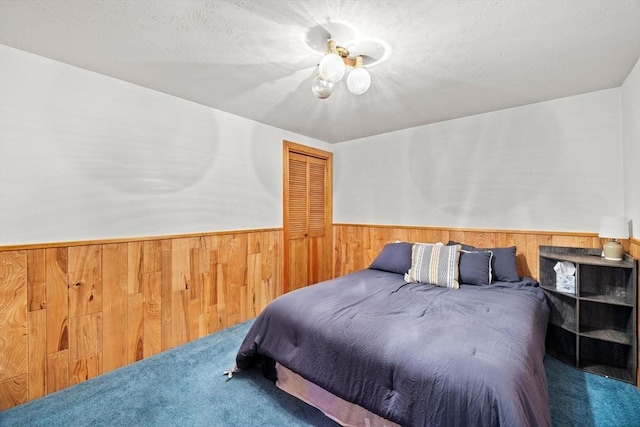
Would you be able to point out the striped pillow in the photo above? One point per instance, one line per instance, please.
(434, 264)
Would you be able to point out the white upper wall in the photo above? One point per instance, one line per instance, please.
(631, 147)
(84, 156)
(554, 165)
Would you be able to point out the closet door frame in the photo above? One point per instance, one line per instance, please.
(318, 267)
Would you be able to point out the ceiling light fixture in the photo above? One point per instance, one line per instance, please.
(332, 68)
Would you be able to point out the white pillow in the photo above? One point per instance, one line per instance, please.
(435, 264)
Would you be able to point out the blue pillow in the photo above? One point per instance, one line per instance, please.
(475, 267)
(394, 257)
(504, 267)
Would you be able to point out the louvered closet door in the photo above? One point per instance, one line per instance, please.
(307, 220)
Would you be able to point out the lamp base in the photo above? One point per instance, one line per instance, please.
(613, 251)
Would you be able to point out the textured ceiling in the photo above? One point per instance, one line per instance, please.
(445, 59)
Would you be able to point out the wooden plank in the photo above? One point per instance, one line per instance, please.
(135, 256)
(166, 297)
(195, 288)
(207, 264)
(135, 327)
(57, 371)
(234, 319)
(194, 319)
(152, 287)
(13, 314)
(115, 275)
(203, 323)
(57, 300)
(179, 317)
(208, 291)
(457, 236)
(36, 279)
(212, 291)
(13, 392)
(37, 335)
(181, 263)
(85, 280)
(152, 256)
(234, 298)
(254, 243)
(254, 293)
(85, 369)
(272, 265)
(221, 306)
(572, 241)
(233, 249)
(221, 294)
(85, 336)
(244, 303)
(212, 319)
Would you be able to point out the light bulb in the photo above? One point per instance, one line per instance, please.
(321, 88)
(331, 67)
(358, 81)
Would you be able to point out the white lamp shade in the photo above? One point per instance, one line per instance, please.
(614, 227)
(331, 67)
(358, 81)
(321, 88)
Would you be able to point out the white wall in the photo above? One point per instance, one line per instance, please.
(84, 156)
(631, 147)
(554, 165)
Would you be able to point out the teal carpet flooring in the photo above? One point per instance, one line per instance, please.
(185, 387)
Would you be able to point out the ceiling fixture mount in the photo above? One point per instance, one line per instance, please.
(332, 68)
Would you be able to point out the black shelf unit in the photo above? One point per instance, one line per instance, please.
(595, 328)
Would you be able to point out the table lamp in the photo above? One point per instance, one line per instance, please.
(613, 227)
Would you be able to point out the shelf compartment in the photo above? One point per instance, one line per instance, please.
(561, 344)
(548, 275)
(607, 371)
(607, 299)
(562, 310)
(610, 283)
(607, 358)
(607, 335)
(607, 322)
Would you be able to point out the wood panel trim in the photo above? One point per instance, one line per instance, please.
(631, 240)
(306, 150)
(70, 313)
(477, 230)
(44, 245)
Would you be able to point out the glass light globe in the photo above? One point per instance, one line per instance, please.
(321, 88)
(331, 67)
(358, 81)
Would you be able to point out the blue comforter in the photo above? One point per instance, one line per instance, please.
(416, 354)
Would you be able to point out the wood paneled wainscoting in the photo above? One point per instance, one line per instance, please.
(72, 311)
(357, 245)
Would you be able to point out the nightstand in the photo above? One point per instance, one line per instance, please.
(595, 328)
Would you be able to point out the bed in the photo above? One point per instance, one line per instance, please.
(410, 340)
